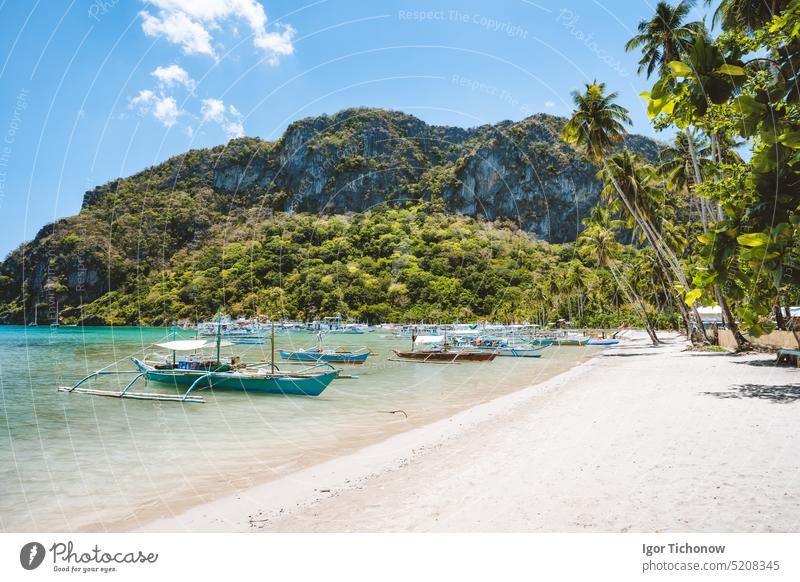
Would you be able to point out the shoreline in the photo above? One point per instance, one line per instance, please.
(302, 488)
(637, 438)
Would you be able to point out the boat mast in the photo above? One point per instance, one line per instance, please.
(272, 342)
(219, 333)
(174, 356)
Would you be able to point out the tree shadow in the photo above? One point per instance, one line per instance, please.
(629, 355)
(764, 363)
(781, 394)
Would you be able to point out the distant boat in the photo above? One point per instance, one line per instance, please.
(602, 342)
(560, 341)
(334, 356)
(444, 355)
(502, 348)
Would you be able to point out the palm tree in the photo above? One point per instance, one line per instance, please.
(597, 124)
(600, 243)
(664, 37)
(746, 15)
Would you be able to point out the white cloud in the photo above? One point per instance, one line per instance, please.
(165, 109)
(228, 118)
(178, 28)
(173, 75)
(234, 129)
(549, 104)
(188, 22)
(213, 110)
(142, 101)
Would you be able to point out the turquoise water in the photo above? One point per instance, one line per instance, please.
(72, 462)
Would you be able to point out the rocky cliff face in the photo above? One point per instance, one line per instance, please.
(352, 161)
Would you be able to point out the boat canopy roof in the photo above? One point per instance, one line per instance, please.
(191, 345)
(429, 339)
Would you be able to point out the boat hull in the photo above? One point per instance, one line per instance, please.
(291, 384)
(447, 356)
(331, 358)
(560, 342)
(603, 342)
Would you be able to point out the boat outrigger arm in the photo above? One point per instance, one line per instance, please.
(125, 393)
(174, 346)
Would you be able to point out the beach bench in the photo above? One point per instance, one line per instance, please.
(789, 356)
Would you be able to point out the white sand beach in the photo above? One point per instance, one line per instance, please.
(639, 438)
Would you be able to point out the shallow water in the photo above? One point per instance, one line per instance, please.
(76, 462)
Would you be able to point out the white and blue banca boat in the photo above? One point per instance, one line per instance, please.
(332, 356)
(190, 370)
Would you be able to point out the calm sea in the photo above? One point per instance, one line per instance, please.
(71, 462)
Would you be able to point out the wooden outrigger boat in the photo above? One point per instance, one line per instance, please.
(503, 348)
(332, 356)
(442, 354)
(198, 372)
(602, 342)
(447, 356)
(560, 341)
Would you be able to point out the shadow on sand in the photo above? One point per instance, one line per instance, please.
(783, 394)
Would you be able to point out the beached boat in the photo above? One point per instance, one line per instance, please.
(602, 342)
(332, 356)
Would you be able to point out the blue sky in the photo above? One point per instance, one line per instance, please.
(95, 89)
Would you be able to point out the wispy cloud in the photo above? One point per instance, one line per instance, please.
(229, 118)
(189, 23)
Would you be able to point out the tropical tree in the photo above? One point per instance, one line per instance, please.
(599, 243)
(746, 15)
(597, 126)
(749, 251)
(664, 37)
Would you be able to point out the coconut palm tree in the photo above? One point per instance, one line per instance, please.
(600, 244)
(746, 15)
(626, 177)
(665, 37)
(596, 126)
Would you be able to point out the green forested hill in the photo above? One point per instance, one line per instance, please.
(368, 213)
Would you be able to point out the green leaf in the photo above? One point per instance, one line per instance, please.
(733, 70)
(753, 239)
(706, 238)
(692, 296)
(679, 69)
(791, 139)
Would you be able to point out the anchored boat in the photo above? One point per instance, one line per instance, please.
(194, 371)
(332, 356)
(447, 356)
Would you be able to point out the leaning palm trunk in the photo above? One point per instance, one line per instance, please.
(636, 302)
(666, 258)
(727, 316)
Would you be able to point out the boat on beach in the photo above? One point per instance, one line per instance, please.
(602, 342)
